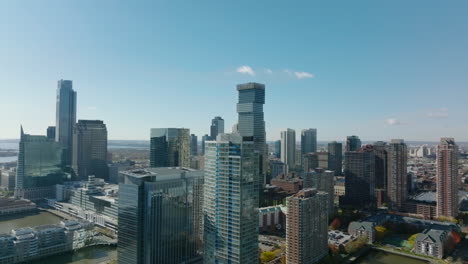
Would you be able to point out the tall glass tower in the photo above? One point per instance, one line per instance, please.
(170, 147)
(217, 127)
(231, 200)
(308, 140)
(65, 118)
(251, 119)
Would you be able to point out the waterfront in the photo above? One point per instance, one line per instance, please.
(37, 218)
(90, 255)
(381, 257)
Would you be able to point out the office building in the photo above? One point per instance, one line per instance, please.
(288, 149)
(310, 161)
(277, 149)
(217, 127)
(51, 132)
(65, 119)
(231, 201)
(204, 139)
(170, 147)
(397, 159)
(381, 168)
(251, 120)
(322, 180)
(306, 227)
(39, 167)
(447, 178)
(335, 157)
(308, 140)
(160, 217)
(90, 149)
(353, 143)
(193, 145)
(359, 177)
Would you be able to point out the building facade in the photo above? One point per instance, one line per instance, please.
(447, 178)
(359, 177)
(353, 143)
(231, 195)
(170, 147)
(51, 132)
(193, 145)
(90, 149)
(65, 118)
(322, 180)
(217, 127)
(306, 227)
(160, 217)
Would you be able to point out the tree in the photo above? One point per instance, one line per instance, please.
(380, 232)
(267, 256)
(335, 224)
(355, 245)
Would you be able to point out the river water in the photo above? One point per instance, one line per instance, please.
(91, 255)
(381, 257)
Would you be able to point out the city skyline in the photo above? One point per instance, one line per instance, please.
(388, 76)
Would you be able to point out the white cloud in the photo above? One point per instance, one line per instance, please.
(392, 122)
(299, 74)
(439, 113)
(268, 71)
(244, 69)
(302, 75)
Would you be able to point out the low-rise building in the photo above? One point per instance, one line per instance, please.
(272, 217)
(339, 239)
(431, 242)
(363, 229)
(289, 184)
(9, 206)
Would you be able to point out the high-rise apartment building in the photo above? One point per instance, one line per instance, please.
(160, 216)
(251, 120)
(310, 161)
(322, 180)
(381, 168)
(308, 140)
(170, 147)
(397, 159)
(360, 176)
(204, 139)
(51, 132)
(307, 227)
(288, 148)
(65, 118)
(335, 157)
(90, 149)
(193, 145)
(39, 167)
(447, 178)
(353, 143)
(231, 201)
(217, 127)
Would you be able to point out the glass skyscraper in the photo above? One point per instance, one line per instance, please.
(170, 147)
(231, 200)
(308, 140)
(65, 118)
(39, 167)
(335, 157)
(160, 216)
(217, 127)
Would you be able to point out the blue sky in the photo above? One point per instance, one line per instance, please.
(377, 69)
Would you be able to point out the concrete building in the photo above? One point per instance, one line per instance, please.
(359, 177)
(277, 168)
(217, 127)
(310, 161)
(288, 148)
(65, 118)
(335, 157)
(272, 217)
(397, 159)
(447, 178)
(9, 206)
(39, 167)
(353, 143)
(90, 149)
(363, 229)
(170, 147)
(322, 180)
(306, 227)
(160, 216)
(381, 167)
(7, 179)
(231, 195)
(288, 183)
(308, 140)
(432, 242)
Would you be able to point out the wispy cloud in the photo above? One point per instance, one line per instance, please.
(244, 69)
(393, 122)
(299, 74)
(303, 75)
(439, 113)
(268, 71)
